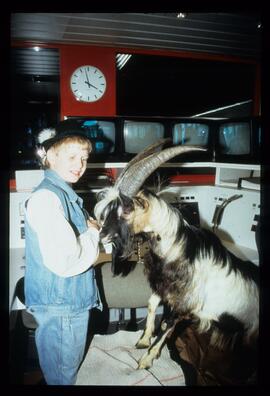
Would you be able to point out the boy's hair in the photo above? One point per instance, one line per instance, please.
(84, 141)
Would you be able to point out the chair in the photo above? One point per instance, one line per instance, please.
(118, 292)
(22, 326)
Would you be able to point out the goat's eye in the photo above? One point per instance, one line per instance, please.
(100, 195)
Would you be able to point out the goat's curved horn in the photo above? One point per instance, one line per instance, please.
(141, 155)
(134, 178)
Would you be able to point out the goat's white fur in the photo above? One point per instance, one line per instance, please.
(109, 194)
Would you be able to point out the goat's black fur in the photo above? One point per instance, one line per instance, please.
(117, 230)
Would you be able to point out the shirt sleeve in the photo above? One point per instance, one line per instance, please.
(63, 253)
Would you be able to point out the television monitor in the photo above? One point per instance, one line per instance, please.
(190, 133)
(193, 132)
(238, 141)
(138, 134)
(101, 134)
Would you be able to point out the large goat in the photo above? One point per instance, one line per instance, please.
(188, 268)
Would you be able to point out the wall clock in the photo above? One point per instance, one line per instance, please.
(88, 83)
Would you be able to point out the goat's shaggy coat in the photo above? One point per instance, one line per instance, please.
(188, 269)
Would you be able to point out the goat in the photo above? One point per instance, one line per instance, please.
(188, 268)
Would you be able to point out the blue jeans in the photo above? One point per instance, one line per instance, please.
(60, 341)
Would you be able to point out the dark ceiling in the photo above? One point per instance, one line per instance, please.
(212, 32)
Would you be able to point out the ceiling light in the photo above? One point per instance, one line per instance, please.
(181, 15)
(36, 49)
(222, 108)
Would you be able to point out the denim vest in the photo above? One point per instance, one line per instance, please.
(42, 286)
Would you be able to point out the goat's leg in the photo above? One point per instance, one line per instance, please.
(145, 340)
(154, 351)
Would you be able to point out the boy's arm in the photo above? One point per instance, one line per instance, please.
(63, 253)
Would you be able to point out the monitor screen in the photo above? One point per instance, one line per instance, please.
(190, 134)
(235, 138)
(140, 134)
(101, 134)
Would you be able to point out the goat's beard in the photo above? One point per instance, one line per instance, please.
(123, 248)
(121, 253)
(124, 245)
(122, 239)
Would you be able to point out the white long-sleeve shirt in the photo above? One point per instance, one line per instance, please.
(63, 253)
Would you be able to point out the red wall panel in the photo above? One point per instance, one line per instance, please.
(72, 57)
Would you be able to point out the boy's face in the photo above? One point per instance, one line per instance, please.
(69, 161)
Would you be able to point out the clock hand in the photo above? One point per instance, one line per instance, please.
(87, 82)
(90, 85)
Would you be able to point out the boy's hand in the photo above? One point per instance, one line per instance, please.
(93, 223)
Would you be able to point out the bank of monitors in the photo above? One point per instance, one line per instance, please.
(120, 138)
(235, 140)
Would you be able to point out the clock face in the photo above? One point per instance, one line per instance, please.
(88, 83)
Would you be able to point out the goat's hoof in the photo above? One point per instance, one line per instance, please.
(142, 345)
(144, 364)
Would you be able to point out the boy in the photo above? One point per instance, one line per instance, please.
(61, 247)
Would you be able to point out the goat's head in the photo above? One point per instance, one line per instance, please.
(111, 211)
(123, 210)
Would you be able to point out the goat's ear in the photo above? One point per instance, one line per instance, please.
(143, 203)
(127, 204)
(100, 195)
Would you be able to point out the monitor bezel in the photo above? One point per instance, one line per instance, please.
(163, 120)
(253, 157)
(195, 156)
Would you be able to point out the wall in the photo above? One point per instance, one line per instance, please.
(73, 56)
